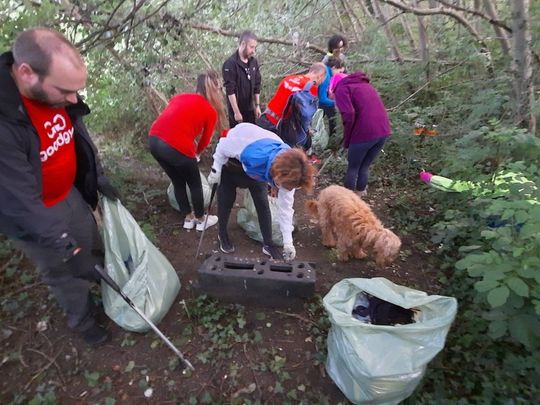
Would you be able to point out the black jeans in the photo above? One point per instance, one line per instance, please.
(182, 170)
(70, 282)
(265, 123)
(248, 116)
(233, 176)
(330, 114)
(360, 157)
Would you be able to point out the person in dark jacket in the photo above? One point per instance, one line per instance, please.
(49, 172)
(365, 127)
(243, 81)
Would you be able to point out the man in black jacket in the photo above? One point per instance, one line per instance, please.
(243, 81)
(49, 172)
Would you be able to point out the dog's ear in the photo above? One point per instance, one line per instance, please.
(386, 247)
(312, 207)
(368, 238)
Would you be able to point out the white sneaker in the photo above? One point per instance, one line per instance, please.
(189, 223)
(212, 220)
(361, 194)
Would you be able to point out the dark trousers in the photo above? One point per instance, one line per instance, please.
(248, 116)
(70, 282)
(182, 170)
(233, 176)
(330, 114)
(360, 157)
(265, 123)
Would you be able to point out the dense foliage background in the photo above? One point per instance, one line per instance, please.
(447, 64)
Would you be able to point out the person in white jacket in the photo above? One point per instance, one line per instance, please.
(252, 157)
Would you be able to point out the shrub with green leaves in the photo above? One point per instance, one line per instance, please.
(504, 256)
(489, 239)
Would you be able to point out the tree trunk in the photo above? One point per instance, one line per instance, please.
(501, 34)
(423, 45)
(338, 15)
(366, 11)
(477, 6)
(357, 24)
(407, 30)
(445, 10)
(389, 35)
(522, 66)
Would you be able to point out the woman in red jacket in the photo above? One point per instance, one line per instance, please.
(182, 132)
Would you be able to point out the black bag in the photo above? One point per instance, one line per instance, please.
(381, 312)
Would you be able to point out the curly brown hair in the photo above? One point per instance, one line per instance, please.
(292, 169)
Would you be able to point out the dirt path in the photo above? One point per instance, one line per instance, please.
(242, 354)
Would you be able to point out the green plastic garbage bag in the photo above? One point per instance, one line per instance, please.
(207, 190)
(138, 267)
(382, 364)
(320, 133)
(249, 221)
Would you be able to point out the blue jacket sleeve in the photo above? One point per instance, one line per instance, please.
(324, 100)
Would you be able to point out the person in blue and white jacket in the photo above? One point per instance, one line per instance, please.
(252, 157)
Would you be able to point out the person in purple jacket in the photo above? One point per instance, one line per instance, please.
(365, 127)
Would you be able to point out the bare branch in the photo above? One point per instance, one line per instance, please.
(427, 83)
(437, 11)
(389, 34)
(227, 33)
(488, 18)
(501, 35)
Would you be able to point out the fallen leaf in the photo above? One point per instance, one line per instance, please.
(41, 326)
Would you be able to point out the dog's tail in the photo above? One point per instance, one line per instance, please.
(312, 207)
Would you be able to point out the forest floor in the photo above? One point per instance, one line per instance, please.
(242, 354)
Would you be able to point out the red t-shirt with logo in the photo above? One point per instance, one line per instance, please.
(57, 150)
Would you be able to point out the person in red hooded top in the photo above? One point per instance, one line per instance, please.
(180, 134)
(289, 85)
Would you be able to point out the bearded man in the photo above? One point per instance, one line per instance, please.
(243, 81)
(49, 172)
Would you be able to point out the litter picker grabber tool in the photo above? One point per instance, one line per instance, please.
(116, 288)
(214, 188)
(328, 159)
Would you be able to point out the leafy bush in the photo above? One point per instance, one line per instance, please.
(499, 234)
(489, 239)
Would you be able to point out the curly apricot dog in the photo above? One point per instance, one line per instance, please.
(348, 224)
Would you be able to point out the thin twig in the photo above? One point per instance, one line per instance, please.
(302, 364)
(55, 364)
(44, 368)
(253, 372)
(297, 317)
(331, 157)
(183, 302)
(425, 85)
(6, 264)
(26, 287)
(207, 384)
